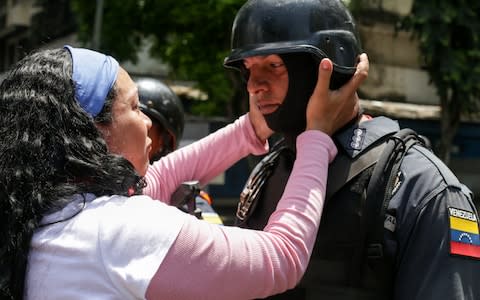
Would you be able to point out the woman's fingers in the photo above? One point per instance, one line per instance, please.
(329, 110)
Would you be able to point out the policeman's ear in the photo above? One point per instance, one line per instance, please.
(244, 73)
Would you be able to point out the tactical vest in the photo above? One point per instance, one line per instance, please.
(347, 260)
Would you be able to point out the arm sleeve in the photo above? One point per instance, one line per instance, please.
(204, 159)
(207, 261)
(426, 267)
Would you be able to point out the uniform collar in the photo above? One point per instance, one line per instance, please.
(358, 137)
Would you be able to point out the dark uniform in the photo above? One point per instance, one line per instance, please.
(424, 242)
(430, 240)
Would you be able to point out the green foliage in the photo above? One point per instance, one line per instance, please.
(121, 25)
(192, 36)
(448, 33)
(449, 36)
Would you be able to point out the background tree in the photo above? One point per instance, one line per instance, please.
(449, 36)
(191, 36)
(448, 33)
(53, 20)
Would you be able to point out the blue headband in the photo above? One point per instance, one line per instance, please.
(94, 74)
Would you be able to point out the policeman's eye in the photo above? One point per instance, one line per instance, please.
(276, 65)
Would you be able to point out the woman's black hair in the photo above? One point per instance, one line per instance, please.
(50, 149)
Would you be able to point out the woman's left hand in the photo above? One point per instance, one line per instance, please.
(259, 124)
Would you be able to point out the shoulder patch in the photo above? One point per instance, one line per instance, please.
(464, 233)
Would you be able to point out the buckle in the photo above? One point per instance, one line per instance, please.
(375, 251)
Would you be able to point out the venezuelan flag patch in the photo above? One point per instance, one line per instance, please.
(464, 235)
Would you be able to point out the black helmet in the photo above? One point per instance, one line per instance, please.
(323, 28)
(161, 104)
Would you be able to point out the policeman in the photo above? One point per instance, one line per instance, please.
(165, 109)
(416, 239)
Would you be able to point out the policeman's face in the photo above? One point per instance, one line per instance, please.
(127, 135)
(156, 134)
(268, 81)
(163, 141)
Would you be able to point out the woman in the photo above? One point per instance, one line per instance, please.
(74, 153)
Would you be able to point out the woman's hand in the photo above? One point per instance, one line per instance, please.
(259, 124)
(329, 110)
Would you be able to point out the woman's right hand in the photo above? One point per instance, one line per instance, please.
(329, 110)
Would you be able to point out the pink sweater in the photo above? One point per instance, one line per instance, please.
(208, 261)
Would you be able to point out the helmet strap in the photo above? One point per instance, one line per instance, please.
(290, 117)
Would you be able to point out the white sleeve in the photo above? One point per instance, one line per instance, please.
(134, 239)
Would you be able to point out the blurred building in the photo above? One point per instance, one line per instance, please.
(15, 17)
(25, 27)
(398, 87)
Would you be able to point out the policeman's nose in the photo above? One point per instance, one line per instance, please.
(257, 82)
